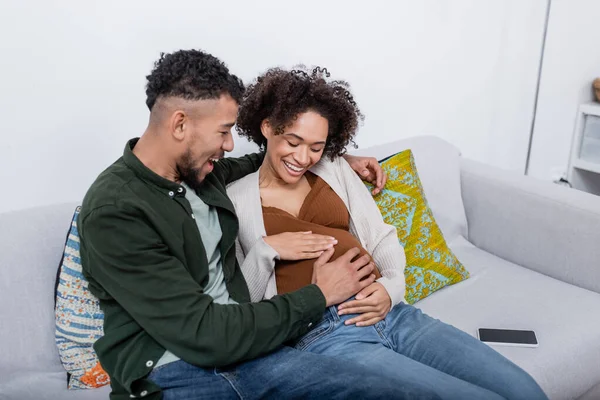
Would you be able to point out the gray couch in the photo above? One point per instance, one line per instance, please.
(533, 250)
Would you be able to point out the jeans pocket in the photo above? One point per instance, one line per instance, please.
(319, 331)
(155, 374)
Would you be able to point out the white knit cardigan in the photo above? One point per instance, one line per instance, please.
(257, 258)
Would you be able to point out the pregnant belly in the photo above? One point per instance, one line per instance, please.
(293, 275)
(346, 241)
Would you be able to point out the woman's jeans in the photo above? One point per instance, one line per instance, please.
(411, 346)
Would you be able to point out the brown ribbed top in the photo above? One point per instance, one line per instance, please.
(324, 213)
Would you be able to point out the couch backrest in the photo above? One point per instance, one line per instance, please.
(438, 165)
(31, 246)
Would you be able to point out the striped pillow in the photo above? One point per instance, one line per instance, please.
(79, 319)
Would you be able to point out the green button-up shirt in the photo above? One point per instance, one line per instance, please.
(144, 259)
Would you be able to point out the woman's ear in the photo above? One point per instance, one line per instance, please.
(266, 129)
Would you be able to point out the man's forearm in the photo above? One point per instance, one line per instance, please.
(272, 322)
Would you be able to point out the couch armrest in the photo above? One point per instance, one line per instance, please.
(538, 225)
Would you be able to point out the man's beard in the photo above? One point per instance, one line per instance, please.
(187, 173)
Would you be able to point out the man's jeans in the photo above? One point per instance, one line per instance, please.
(413, 347)
(284, 374)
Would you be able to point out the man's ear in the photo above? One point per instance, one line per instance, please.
(266, 129)
(179, 124)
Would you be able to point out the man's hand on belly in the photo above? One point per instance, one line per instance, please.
(342, 278)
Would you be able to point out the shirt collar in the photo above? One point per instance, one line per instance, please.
(169, 187)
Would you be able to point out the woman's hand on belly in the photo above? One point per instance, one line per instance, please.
(372, 303)
(299, 245)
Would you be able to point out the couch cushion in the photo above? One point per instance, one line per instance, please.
(430, 264)
(31, 245)
(438, 163)
(500, 294)
(48, 386)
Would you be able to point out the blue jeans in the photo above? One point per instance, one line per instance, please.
(411, 346)
(284, 374)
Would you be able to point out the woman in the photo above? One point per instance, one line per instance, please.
(306, 203)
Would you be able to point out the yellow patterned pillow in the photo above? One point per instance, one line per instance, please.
(430, 264)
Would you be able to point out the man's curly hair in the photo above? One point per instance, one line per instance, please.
(191, 75)
(279, 96)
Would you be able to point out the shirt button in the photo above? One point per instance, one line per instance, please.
(193, 216)
(149, 363)
(309, 324)
(133, 396)
(144, 393)
(180, 190)
(171, 193)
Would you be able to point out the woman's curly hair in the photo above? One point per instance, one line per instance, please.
(279, 96)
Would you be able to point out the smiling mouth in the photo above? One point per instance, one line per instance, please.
(293, 167)
(215, 158)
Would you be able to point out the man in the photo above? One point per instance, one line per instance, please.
(157, 243)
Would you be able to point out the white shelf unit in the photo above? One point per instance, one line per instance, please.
(584, 163)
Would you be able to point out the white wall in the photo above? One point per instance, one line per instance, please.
(571, 62)
(72, 74)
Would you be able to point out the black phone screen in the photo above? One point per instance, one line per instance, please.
(507, 336)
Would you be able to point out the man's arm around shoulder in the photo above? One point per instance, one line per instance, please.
(233, 168)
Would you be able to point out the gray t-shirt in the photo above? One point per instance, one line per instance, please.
(207, 221)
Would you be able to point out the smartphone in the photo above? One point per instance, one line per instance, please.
(507, 337)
